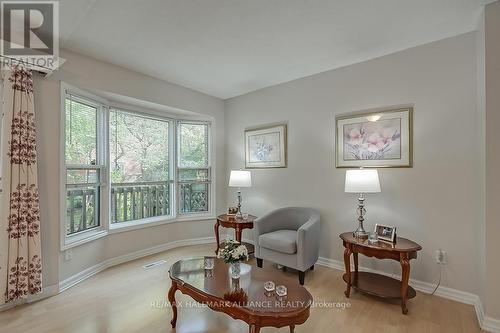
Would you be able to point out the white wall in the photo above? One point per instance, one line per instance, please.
(88, 73)
(481, 131)
(436, 203)
(492, 66)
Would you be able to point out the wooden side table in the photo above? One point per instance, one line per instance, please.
(375, 284)
(238, 224)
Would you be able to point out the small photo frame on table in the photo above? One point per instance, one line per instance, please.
(232, 211)
(266, 146)
(385, 233)
(376, 139)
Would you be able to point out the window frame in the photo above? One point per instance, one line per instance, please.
(179, 168)
(84, 236)
(106, 227)
(128, 225)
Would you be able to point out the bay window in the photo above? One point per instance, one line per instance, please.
(126, 169)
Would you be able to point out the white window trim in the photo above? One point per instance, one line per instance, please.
(209, 167)
(106, 227)
(69, 241)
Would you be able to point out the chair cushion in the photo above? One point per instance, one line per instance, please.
(284, 241)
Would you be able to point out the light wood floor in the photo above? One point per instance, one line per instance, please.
(128, 298)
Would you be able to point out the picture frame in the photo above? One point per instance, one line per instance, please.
(232, 211)
(385, 232)
(378, 139)
(266, 146)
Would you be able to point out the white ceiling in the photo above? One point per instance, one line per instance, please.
(227, 48)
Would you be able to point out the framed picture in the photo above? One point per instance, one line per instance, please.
(232, 211)
(265, 147)
(376, 139)
(385, 232)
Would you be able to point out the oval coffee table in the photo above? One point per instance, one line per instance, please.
(242, 298)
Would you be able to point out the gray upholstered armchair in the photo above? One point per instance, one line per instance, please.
(289, 237)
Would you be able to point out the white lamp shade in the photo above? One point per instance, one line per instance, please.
(362, 181)
(240, 178)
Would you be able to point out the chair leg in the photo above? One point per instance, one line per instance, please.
(302, 275)
(312, 268)
(259, 262)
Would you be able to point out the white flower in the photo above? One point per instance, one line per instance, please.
(240, 253)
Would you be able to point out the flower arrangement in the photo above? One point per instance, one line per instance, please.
(233, 252)
(372, 142)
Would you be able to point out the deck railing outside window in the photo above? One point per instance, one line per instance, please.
(131, 202)
(81, 209)
(139, 200)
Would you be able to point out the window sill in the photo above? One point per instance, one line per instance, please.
(82, 238)
(91, 235)
(156, 221)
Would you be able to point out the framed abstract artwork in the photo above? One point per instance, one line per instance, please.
(376, 139)
(265, 147)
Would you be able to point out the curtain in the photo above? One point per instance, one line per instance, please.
(19, 185)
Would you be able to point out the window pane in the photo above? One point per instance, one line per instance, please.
(138, 148)
(81, 133)
(82, 206)
(82, 176)
(193, 197)
(139, 153)
(193, 145)
(193, 175)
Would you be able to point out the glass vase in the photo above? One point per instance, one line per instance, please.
(235, 270)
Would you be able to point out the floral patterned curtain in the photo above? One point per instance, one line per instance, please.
(20, 187)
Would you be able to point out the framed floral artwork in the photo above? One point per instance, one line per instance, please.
(376, 139)
(265, 147)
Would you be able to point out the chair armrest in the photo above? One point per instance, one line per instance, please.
(308, 237)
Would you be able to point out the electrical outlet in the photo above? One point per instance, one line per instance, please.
(441, 257)
(68, 255)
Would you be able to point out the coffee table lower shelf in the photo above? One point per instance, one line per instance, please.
(378, 285)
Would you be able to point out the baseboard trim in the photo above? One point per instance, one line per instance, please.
(491, 325)
(486, 323)
(46, 292)
(87, 273)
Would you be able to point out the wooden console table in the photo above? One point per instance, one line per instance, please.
(375, 284)
(238, 224)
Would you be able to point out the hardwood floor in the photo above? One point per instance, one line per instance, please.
(129, 298)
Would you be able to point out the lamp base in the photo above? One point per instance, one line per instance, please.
(239, 215)
(360, 234)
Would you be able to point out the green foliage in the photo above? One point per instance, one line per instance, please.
(139, 148)
(81, 133)
(193, 145)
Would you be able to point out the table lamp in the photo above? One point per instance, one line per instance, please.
(239, 179)
(361, 181)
